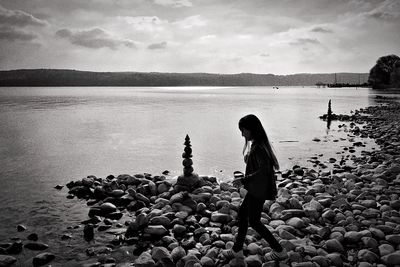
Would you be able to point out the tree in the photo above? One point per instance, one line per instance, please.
(380, 74)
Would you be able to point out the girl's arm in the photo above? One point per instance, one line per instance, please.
(261, 157)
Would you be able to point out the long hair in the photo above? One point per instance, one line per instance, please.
(253, 124)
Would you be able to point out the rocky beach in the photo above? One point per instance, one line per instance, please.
(341, 213)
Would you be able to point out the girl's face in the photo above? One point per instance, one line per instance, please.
(246, 133)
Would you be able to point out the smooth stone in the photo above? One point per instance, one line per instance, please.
(303, 264)
(33, 237)
(21, 228)
(394, 239)
(336, 259)
(254, 249)
(43, 259)
(321, 261)
(157, 230)
(6, 261)
(364, 264)
(368, 256)
(333, 245)
(160, 220)
(329, 215)
(207, 262)
(286, 235)
(179, 229)
(158, 253)
(178, 253)
(253, 261)
(296, 223)
(391, 259)
(144, 260)
(220, 217)
(377, 233)
(227, 237)
(108, 207)
(36, 246)
(352, 237)
(385, 249)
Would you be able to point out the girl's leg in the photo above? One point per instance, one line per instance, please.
(243, 224)
(254, 220)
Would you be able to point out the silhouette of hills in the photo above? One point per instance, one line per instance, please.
(65, 77)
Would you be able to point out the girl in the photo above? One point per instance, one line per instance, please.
(259, 181)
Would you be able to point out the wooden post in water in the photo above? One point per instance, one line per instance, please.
(329, 117)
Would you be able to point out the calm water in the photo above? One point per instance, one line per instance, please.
(50, 136)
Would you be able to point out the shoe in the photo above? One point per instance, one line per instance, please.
(276, 256)
(230, 254)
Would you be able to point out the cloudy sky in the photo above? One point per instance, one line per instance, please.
(216, 36)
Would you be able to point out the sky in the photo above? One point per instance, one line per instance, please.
(214, 36)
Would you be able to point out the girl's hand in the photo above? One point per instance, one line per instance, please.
(237, 183)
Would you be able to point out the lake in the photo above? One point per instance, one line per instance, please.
(52, 135)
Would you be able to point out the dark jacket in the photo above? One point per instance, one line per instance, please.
(259, 178)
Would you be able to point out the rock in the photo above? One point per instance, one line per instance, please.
(108, 207)
(321, 261)
(88, 232)
(179, 229)
(43, 259)
(33, 237)
(189, 260)
(36, 246)
(385, 249)
(158, 253)
(160, 220)
(368, 256)
(178, 253)
(207, 262)
(394, 239)
(220, 217)
(352, 237)
(15, 248)
(156, 230)
(6, 261)
(144, 260)
(21, 228)
(254, 249)
(391, 259)
(329, 215)
(296, 223)
(336, 259)
(253, 261)
(333, 245)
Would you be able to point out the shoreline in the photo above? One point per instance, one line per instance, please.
(343, 218)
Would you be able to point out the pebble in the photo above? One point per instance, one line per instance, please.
(43, 258)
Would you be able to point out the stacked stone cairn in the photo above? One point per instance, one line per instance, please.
(189, 180)
(345, 216)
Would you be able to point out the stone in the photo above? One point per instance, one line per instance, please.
(43, 259)
(179, 229)
(33, 237)
(254, 249)
(144, 260)
(178, 253)
(296, 223)
(368, 256)
(321, 261)
(160, 220)
(352, 237)
(21, 228)
(391, 259)
(394, 239)
(207, 262)
(108, 207)
(6, 261)
(253, 261)
(156, 230)
(336, 259)
(36, 246)
(220, 217)
(157, 253)
(385, 249)
(333, 245)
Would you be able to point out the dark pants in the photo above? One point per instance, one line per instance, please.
(250, 213)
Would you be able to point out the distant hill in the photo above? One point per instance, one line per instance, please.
(60, 77)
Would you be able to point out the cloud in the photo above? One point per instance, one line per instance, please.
(388, 10)
(9, 34)
(145, 23)
(321, 30)
(174, 3)
(162, 45)
(19, 18)
(305, 41)
(190, 22)
(94, 38)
